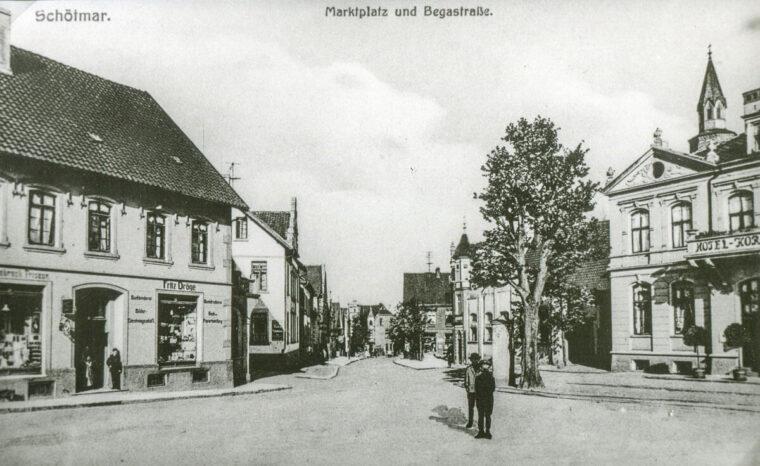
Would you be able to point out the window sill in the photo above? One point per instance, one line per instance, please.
(201, 266)
(240, 240)
(641, 336)
(164, 262)
(5, 244)
(102, 255)
(45, 249)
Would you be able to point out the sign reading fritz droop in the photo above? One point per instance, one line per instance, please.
(725, 245)
(176, 285)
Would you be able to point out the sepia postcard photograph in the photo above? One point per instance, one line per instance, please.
(384, 232)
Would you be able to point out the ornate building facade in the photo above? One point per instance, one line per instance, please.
(685, 244)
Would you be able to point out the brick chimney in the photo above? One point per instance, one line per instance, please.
(5, 41)
(293, 226)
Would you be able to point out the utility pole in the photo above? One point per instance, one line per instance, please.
(230, 176)
(429, 260)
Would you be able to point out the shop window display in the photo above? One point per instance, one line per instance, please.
(177, 330)
(20, 340)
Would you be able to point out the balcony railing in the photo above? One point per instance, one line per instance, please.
(722, 244)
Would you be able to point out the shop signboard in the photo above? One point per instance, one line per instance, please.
(141, 320)
(724, 245)
(216, 319)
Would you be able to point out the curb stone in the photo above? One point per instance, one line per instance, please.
(128, 401)
(629, 400)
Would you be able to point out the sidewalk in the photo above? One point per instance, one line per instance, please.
(320, 372)
(110, 398)
(634, 387)
(343, 361)
(428, 362)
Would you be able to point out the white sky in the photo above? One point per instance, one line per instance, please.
(379, 126)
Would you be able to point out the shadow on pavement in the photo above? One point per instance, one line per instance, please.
(454, 418)
(454, 375)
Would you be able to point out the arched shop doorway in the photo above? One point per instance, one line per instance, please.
(749, 294)
(95, 334)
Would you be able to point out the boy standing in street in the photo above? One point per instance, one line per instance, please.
(469, 385)
(485, 385)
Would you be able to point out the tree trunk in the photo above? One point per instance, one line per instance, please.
(531, 377)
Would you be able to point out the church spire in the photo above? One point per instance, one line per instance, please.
(711, 110)
(712, 103)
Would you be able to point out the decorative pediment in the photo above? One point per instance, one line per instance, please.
(654, 170)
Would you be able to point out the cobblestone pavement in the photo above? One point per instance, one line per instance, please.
(376, 412)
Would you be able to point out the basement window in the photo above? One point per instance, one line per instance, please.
(156, 380)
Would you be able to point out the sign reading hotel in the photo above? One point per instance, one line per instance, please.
(726, 244)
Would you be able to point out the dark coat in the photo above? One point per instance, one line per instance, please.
(114, 363)
(485, 385)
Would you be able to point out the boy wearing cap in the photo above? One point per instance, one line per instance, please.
(469, 385)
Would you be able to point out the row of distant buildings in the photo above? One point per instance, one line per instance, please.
(684, 249)
(117, 233)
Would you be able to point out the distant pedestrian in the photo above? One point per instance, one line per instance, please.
(114, 367)
(469, 385)
(450, 355)
(485, 385)
(89, 373)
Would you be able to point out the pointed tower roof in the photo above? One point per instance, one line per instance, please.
(463, 248)
(711, 90)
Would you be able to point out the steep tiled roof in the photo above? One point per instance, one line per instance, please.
(428, 288)
(65, 116)
(314, 276)
(278, 221)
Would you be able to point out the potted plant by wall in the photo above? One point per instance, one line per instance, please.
(736, 336)
(696, 336)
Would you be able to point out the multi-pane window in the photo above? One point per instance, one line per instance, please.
(155, 237)
(683, 307)
(489, 334)
(177, 330)
(640, 231)
(680, 219)
(241, 228)
(642, 309)
(199, 249)
(258, 277)
(741, 211)
(41, 218)
(99, 227)
(474, 334)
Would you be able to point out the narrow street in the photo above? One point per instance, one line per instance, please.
(376, 412)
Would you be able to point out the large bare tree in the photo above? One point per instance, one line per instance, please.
(535, 202)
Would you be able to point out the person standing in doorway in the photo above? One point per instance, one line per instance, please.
(89, 374)
(114, 367)
(485, 385)
(469, 385)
